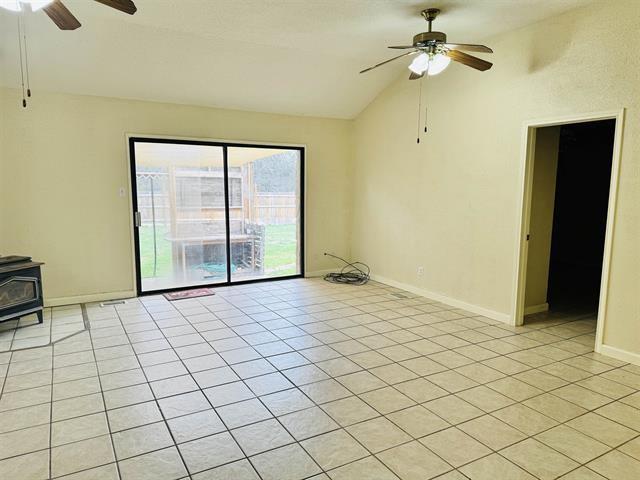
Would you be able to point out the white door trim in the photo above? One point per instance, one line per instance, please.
(524, 209)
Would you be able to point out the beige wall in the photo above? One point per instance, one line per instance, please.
(64, 159)
(543, 195)
(450, 204)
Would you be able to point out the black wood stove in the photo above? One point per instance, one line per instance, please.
(20, 288)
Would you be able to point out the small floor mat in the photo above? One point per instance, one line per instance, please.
(192, 293)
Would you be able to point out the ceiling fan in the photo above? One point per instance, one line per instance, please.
(435, 54)
(60, 14)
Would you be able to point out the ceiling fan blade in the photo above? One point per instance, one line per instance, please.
(416, 76)
(387, 61)
(126, 6)
(469, 60)
(468, 47)
(402, 47)
(61, 16)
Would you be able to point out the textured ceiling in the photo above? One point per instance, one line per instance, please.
(297, 57)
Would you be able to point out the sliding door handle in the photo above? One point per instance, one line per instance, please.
(137, 219)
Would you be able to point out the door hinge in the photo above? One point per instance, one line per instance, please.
(137, 219)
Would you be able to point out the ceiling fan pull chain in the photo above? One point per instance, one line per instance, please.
(24, 100)
(419, 108)
(26, 57)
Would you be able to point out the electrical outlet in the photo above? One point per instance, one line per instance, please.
(420, 271)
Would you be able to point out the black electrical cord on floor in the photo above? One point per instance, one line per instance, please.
(353, 273)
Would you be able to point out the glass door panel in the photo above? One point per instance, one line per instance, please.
(181, 214)
(265, 212)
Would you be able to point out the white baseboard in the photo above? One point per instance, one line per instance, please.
(485, 312)
(619, 354)
(96, 297)
(543, 307)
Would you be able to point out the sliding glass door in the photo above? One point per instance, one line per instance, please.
(209, 213)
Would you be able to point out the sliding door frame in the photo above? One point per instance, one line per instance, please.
(225, 145)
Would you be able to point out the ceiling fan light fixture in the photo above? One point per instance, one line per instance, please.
(438, 63)
(16, 5)
(420, 64)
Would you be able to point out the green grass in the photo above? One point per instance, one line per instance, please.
(279, 257)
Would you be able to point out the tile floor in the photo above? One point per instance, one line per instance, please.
(303, 379)
(26, 332)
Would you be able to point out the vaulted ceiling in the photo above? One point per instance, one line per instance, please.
(297, 57)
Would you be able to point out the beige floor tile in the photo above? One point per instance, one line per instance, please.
(455, 446)
(239, 470)
(104, 472)
(79, 428)
(77, 406)
(122, 397)
(195, 425)
(369, 468)
(270, 383)
(606, 387)
(581, 396)
(606, 431)
(360, 382)
(160, 465)
(452, 381)
(393, 373)
(136, 441)
(387, 400)
(25, 417)
(423, 366)
(417, 421)
(555, 407)
(572, 443)
(621, 413)
(539, 460)
(307, 423)
(133, 416)
(348, 411)
(325, 391)
(514, 388)
(259, 437)
(616, 465)
(413, 461)
(25, 398)
(24, 441)
(492, 432)
(285, 463)
(378, 434)
(228, 393)
(210, 452)
(495, 467)
(243, 413)
(333, 449)
(480, 373)
(33, 466)
(582, 473)
(485, 398)
(453, 409)
(82, 455)
(421, 390)
(287, 401)
(525, 419)
(183, 404)
(540, 379)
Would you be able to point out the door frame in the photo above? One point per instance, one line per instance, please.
(132, 138)
(524, 210)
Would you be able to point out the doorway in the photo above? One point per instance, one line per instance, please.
(212, 213)
(569, 192)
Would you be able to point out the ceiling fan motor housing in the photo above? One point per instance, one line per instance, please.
(427, 38)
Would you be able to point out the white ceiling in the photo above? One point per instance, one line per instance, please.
(286, 56)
